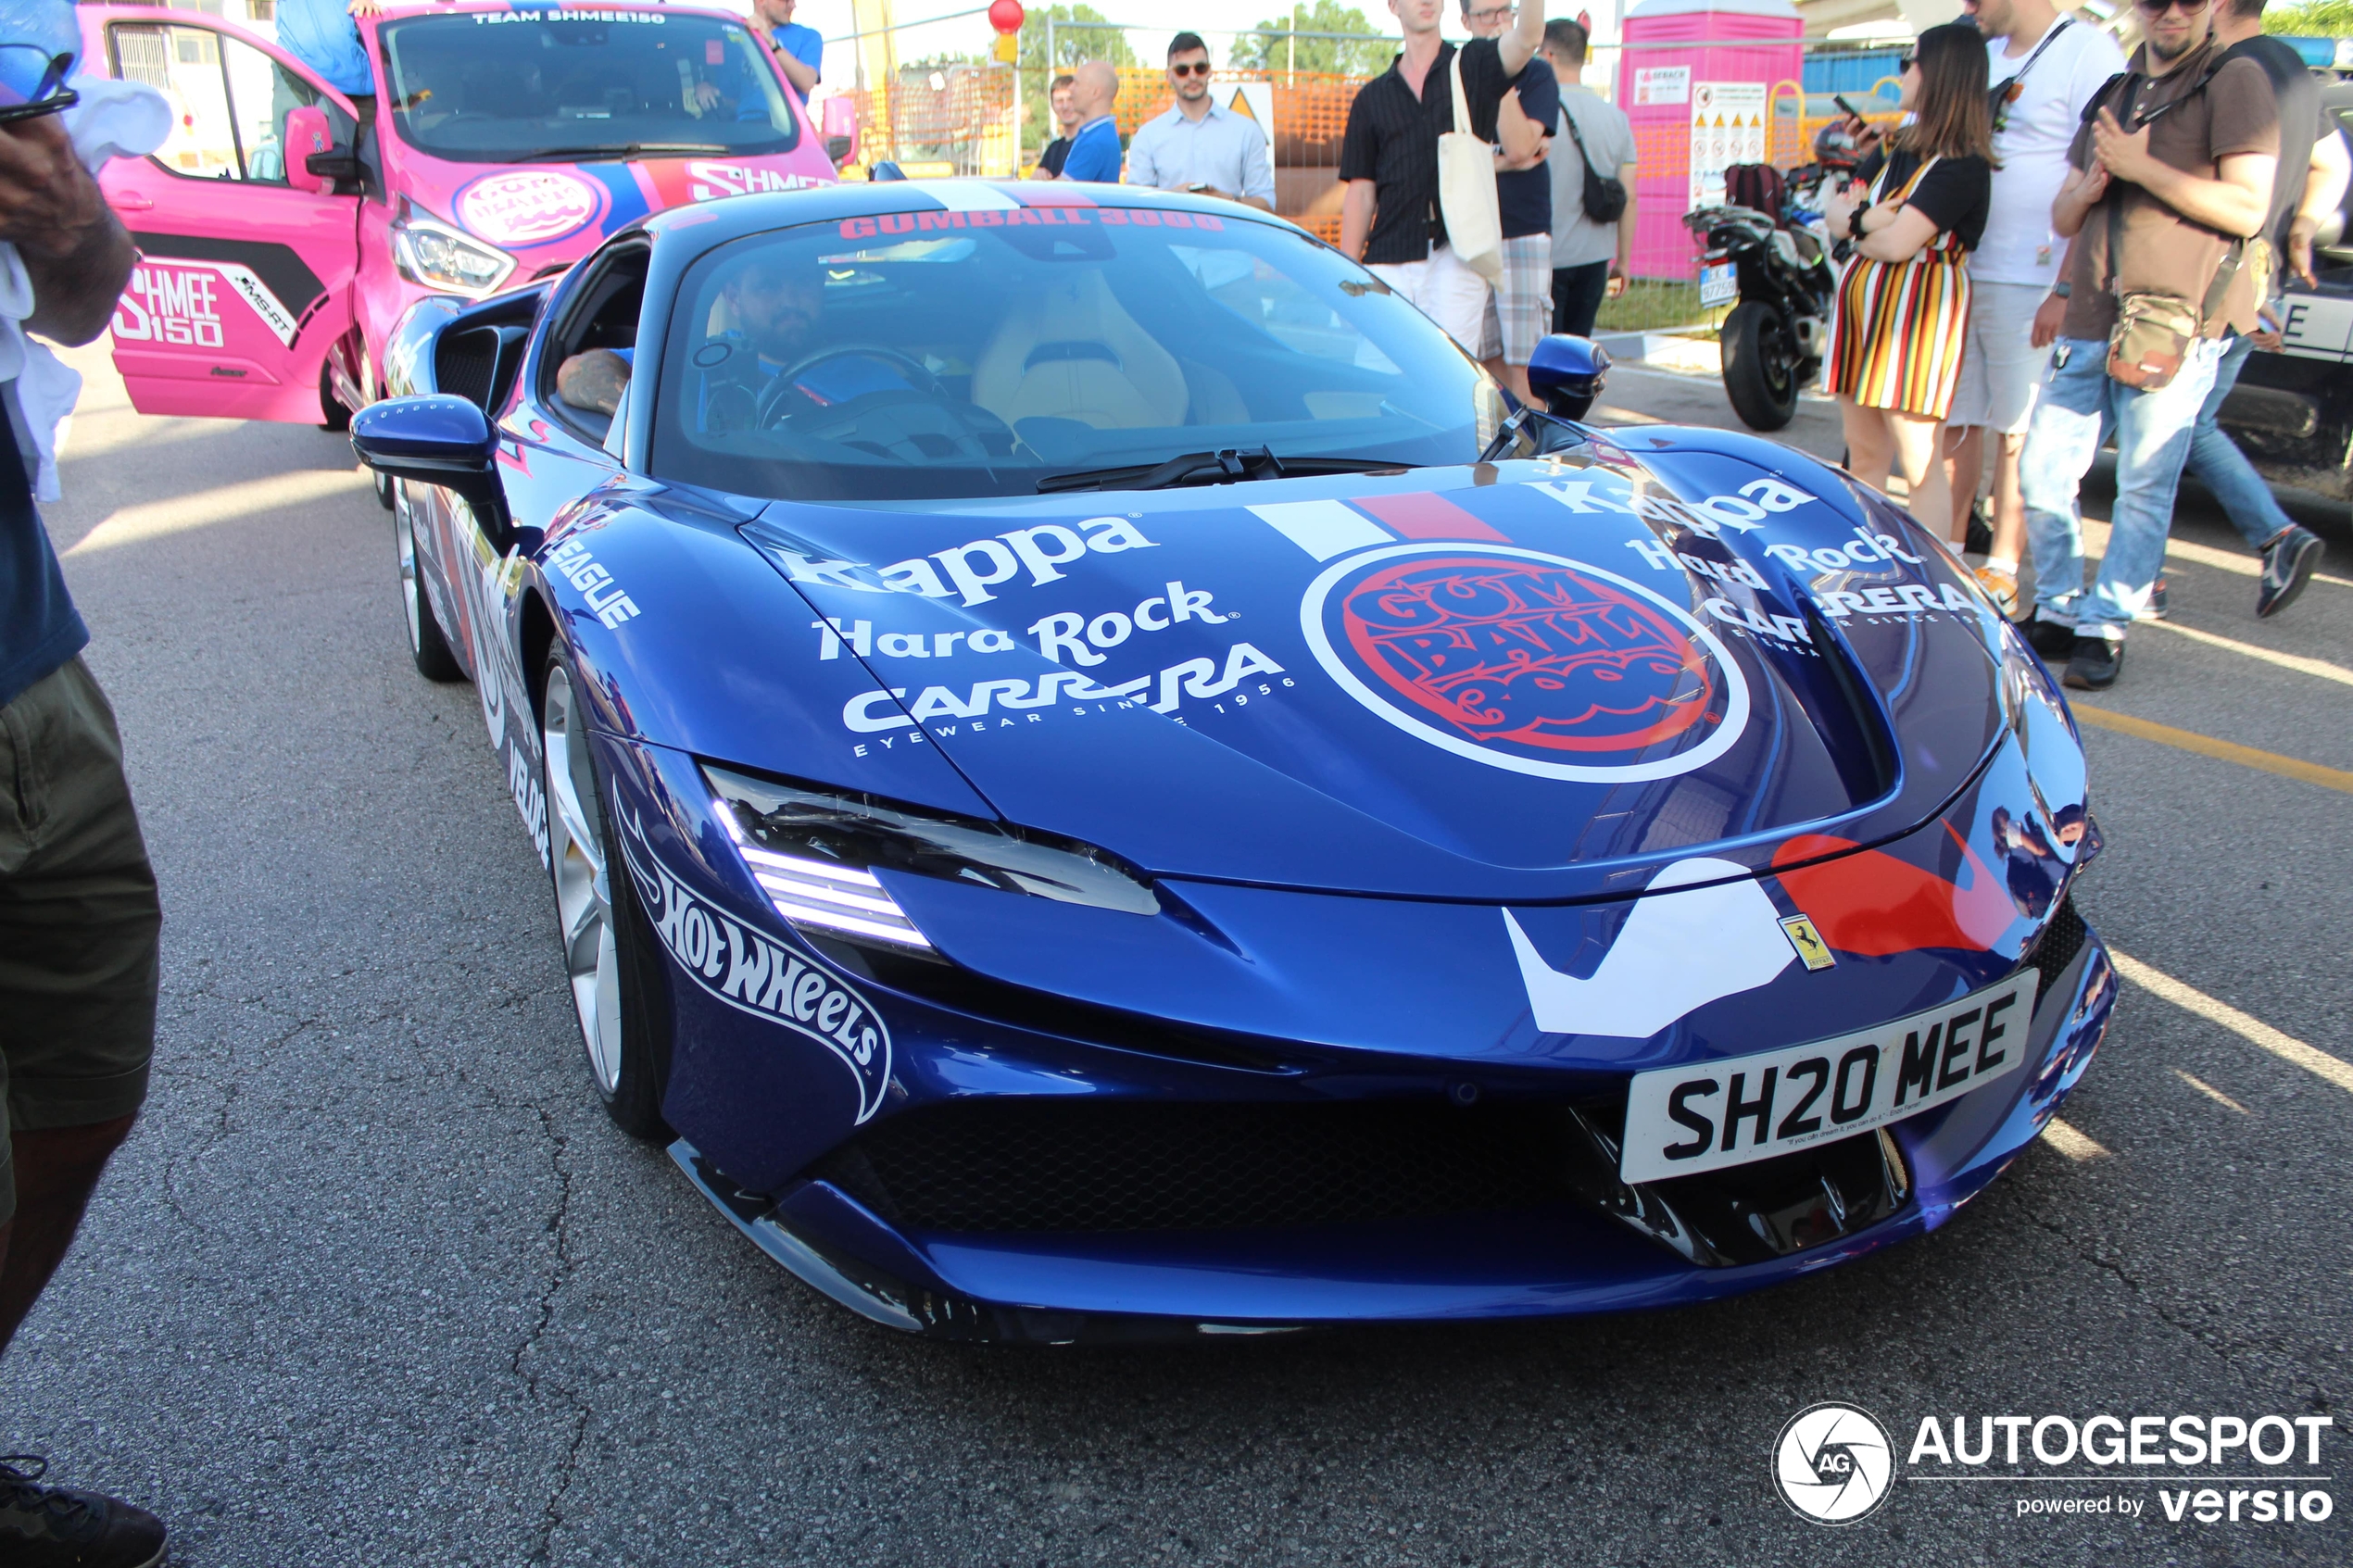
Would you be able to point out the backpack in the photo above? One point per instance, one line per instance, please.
(1758, 186)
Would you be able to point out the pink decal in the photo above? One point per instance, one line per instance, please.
(529, 206)
(857, 228)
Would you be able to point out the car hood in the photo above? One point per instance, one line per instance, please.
(1537, 680)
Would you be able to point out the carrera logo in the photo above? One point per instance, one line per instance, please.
(529, 208)
(752, 974)
(1526, 661)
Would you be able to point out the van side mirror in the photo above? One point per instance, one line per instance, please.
(1567, 373)
(306, 137)
(435, 438)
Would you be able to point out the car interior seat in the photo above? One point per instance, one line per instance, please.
(1072, 352)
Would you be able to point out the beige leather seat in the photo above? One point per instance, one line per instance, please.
(1072, 353)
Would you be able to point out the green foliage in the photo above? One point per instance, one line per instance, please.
(1072, 44)
(2317, 19)
(1345, 57)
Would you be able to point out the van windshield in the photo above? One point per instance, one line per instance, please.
(1006, 352)
(524, 86)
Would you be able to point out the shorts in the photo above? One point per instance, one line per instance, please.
(2000, 367)
(1520, 306)
(79, 917)
(1443, 289)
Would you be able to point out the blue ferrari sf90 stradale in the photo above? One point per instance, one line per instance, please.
(1100, 783)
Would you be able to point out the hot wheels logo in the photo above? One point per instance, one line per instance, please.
(529, 206)
(1526, 661)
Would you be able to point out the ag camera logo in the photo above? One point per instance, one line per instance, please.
(1834, 1463)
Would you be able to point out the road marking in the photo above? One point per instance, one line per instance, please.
(2319, 668)
(2287, 1048)
(2095, 543)
(2206, 745)
(2077, 1145)
(224, 503)
(2210, 1092)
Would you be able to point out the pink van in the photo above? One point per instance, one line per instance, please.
(280, 251)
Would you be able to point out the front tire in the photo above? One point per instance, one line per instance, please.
(1760, 368)
(332, 415)
(427, 646)
(614, 975)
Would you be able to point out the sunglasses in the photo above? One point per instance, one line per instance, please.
(32, 82)
(2187, 8)
(1194, 68)
(1906, 63)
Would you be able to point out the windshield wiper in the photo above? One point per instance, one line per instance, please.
(607, 151)
(1226, 466)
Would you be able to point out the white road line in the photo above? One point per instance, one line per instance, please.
(2287, 1048)
(2319, 668)
(2077, 1145)
(2236, 565)
(2210, 1092)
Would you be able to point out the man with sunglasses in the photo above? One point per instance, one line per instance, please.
(1197, 146)
(79, 914)
(2045, 69)
(2169, 179)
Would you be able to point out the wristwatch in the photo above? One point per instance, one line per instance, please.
(2062, 290)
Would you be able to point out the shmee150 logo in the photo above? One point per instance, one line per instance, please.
(1834, 1464)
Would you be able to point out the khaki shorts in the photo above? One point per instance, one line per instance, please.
(2001, 366)
(79, 917)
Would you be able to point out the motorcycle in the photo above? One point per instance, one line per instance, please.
(1778, 266)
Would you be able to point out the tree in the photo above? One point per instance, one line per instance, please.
(1072, 44)
(1344, 57)
(2321, 18)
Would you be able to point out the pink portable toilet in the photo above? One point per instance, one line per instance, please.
(1706, 60)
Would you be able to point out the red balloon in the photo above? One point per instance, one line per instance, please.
(1005, 16)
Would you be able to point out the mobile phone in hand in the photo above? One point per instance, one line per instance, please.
(1852, 112)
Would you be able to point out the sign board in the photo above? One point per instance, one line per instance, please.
(1728, 127)
(1252, 101)
(1662, 84)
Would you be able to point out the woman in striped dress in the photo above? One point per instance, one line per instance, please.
(1902, 318)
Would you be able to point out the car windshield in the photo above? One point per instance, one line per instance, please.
(999, 352)
(508, 86)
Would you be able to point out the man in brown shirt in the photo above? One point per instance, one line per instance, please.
(2175, 170)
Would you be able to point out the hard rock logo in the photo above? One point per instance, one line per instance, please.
(1528, 661)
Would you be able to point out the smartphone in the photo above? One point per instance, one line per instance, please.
(1840, 99)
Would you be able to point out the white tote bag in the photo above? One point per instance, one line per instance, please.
(1467, 191)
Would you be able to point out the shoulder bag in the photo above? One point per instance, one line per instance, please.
(1466, 190)
(1604, 194)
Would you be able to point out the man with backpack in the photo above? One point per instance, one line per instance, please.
(2169, 175)
(1593, 189)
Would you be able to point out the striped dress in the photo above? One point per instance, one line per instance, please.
(1900, 327)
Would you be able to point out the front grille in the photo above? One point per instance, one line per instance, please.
(2061, 940)
(1082, 1165)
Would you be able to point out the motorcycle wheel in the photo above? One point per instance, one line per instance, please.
(1760, 365)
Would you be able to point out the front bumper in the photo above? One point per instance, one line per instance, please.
(1546, 1258)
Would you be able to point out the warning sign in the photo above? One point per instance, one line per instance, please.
(1728, 127)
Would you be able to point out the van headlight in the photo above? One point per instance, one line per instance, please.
(435, 255)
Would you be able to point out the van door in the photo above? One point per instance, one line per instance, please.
(244, 281)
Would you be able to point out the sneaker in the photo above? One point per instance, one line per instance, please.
(2052, 639)
(1979, 539)
(57, 1527)
(2159, 598)
(2288, 561)
(2001, 586)
(2095, 663)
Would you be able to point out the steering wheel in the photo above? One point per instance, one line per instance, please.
(773, 401)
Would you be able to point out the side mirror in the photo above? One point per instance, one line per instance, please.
(1567, 373)
(838, 147)
(306, 137)
(435, 439)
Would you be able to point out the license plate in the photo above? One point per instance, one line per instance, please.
(1719, 284)
(1709, 1115)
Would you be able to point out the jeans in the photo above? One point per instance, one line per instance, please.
(2152, 438)
(2215, 461)
(1577, 297)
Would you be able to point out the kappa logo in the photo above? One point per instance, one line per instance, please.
(752, 974)
(1834, 1463)
(1526, 661)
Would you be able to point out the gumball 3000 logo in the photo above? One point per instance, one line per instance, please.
(1526, 661)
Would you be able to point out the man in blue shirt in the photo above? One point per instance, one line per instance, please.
(799, 49)
(321, 34)
(1094, 147)
(1198, 146)
(79, 917)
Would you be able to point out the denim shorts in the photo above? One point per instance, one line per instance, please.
(79, 917)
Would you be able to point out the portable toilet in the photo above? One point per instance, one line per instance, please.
(1698, 79)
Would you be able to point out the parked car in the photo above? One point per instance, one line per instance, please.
(2292, 411)
(1091, 791)
(280, 250)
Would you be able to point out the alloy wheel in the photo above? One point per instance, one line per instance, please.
(583, 895)
(403, 538)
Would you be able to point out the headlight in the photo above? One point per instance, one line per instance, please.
(814, 854)
(439, 257)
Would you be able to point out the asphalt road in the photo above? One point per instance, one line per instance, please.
(376, 1282)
